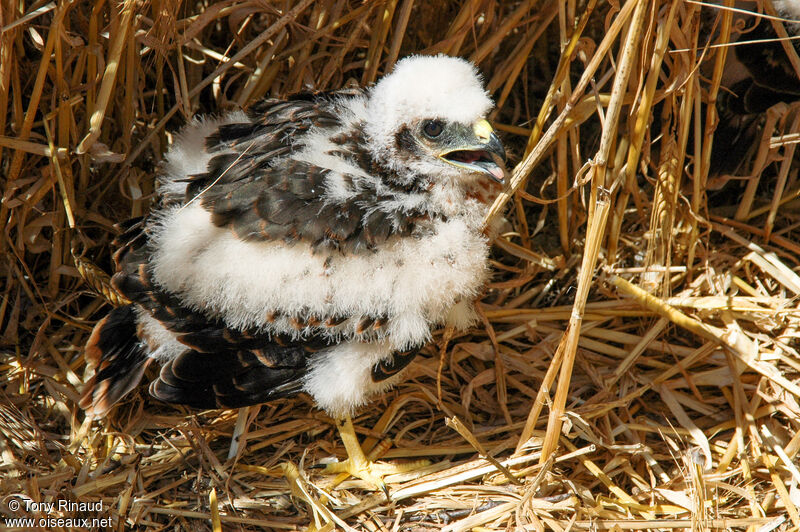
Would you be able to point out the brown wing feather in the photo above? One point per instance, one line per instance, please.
(119, 359)
(254, 186)
(232, 379)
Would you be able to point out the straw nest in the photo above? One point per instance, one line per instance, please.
(637, 364)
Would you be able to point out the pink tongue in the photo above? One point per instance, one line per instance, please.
(497, 172)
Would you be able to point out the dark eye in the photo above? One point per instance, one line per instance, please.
(432, 128)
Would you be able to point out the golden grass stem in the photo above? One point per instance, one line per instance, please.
(633, 379)
(521, 172)
(245, 51)
(780, 185)
(569, 342)
(120, 39)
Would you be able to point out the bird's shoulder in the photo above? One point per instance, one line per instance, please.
(275, 123)
(301, 170)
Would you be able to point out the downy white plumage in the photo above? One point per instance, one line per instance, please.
(307, 245)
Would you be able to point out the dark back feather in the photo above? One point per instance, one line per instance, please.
(254, 186)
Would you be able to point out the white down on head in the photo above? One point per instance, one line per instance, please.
(423, 87)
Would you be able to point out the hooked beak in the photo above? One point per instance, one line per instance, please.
(480, 151)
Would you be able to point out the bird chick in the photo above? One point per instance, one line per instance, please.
(307, 245)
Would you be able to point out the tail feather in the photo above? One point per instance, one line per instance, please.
(119, 359)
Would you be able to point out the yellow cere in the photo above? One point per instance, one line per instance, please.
(483, 129)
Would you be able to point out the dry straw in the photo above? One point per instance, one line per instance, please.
(637, 365)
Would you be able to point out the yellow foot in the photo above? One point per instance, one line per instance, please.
(371, 472)
(363, 467)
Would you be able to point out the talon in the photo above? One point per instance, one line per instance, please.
(359, 466)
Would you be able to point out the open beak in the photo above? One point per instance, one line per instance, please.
(479, 150)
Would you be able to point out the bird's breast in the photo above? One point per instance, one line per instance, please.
(398, 291)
